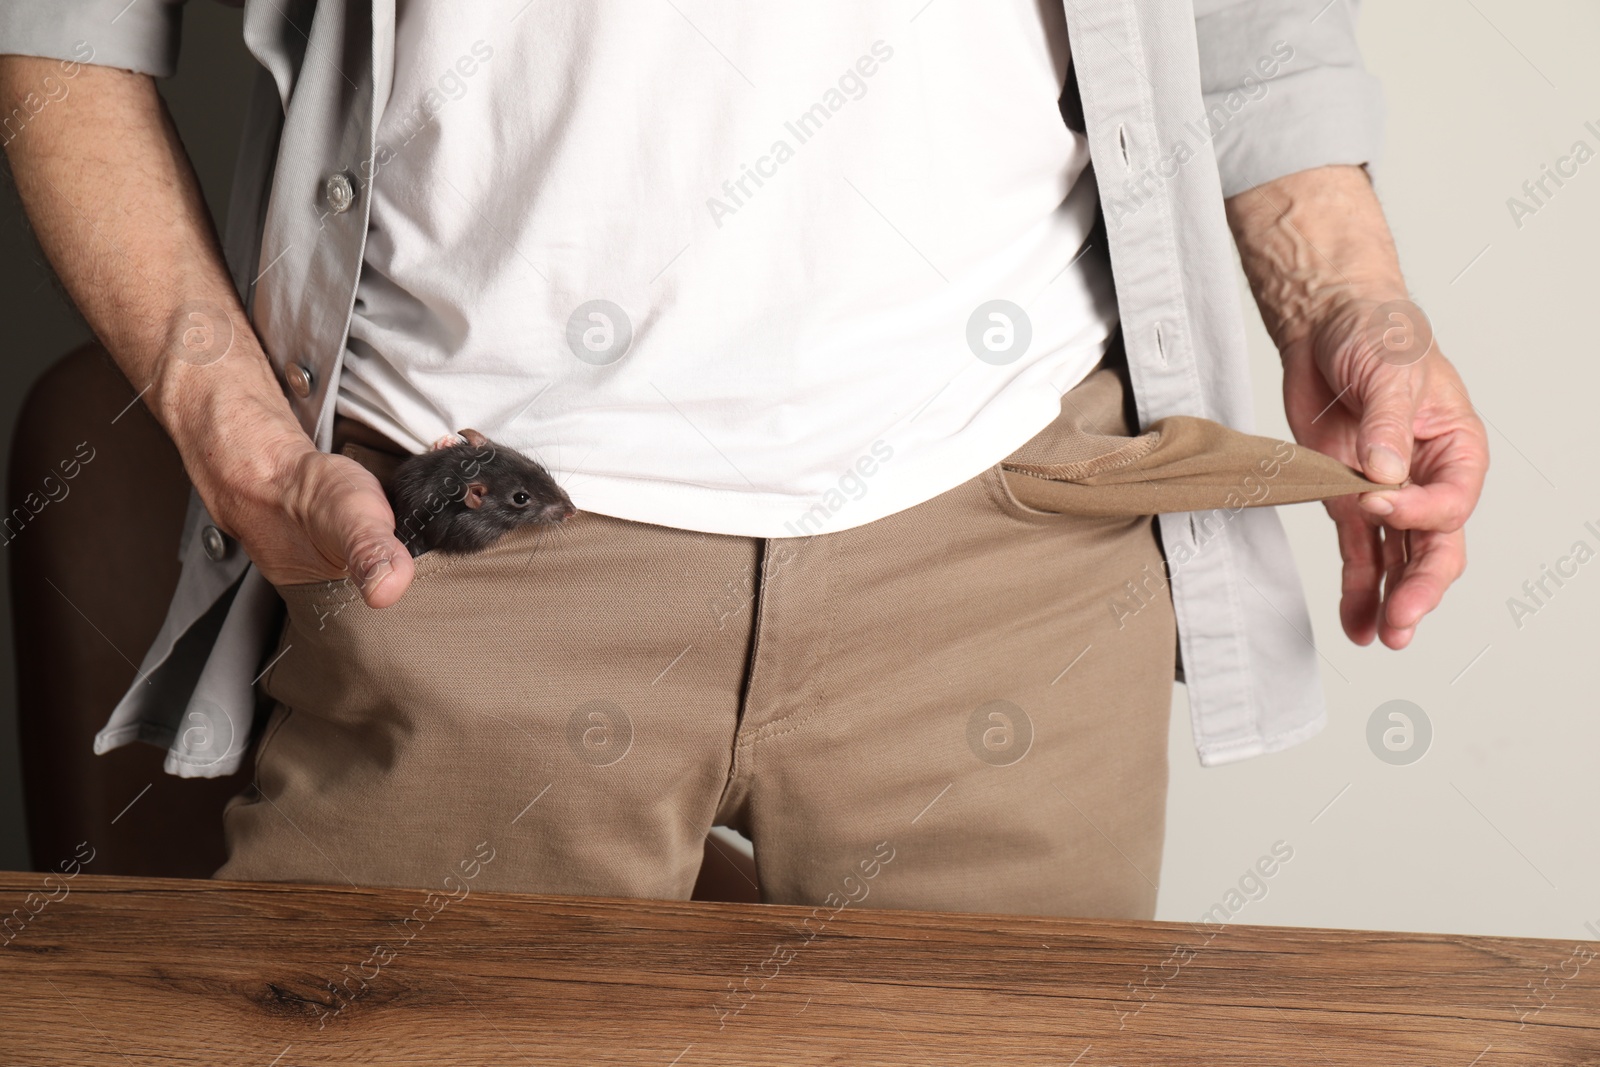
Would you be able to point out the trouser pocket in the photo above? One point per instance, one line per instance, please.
(1088, 462)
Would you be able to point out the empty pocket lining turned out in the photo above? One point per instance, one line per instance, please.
(1082, 456)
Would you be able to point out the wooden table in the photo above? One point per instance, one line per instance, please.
(158, 971)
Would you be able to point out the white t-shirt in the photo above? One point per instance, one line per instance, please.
(766, 269)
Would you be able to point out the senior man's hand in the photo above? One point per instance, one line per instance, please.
(1365, 382)
(92, 178)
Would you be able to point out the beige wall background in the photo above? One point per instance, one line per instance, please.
(1492, 831)
(1495, 829)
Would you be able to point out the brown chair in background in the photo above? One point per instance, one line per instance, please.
(91, 575)
(92, 572)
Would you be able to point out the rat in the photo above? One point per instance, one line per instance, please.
(462, 497)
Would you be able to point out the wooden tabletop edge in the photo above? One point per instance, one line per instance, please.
(23, 882)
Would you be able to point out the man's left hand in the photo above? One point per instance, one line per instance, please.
(1365, 382)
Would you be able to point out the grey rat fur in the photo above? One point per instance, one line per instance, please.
(463, 498)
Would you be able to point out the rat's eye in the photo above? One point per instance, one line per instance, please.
(520, 499)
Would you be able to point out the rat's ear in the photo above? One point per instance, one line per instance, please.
(474, 438)
(447, 441)
(476, 492)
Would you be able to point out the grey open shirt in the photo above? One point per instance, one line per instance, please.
(1147, 73)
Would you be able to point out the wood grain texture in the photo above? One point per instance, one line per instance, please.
(166, 971)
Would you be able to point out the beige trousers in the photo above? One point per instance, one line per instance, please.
(956, 707)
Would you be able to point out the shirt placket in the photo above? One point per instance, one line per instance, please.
(1114, 70)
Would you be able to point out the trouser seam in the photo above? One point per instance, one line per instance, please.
(830, 606)
(747, 684)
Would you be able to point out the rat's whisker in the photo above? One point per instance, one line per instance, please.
(541, 533)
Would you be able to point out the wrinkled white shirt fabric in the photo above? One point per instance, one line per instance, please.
(748, 269)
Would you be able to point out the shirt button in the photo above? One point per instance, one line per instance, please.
(299, 380)
(340, 192)
(214, 543)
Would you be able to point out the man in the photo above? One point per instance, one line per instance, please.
(801, 305)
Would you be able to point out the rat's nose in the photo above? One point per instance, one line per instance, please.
(556, 512)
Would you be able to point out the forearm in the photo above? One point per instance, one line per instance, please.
(116, 208)
(1363, 381)
(1310, 241)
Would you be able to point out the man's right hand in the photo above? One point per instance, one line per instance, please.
(300, 514)
(306, 516)
(115, 205)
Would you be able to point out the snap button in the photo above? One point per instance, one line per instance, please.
(215, 544)
(299, 380)
(340, 192)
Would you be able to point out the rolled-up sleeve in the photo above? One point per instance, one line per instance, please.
(1285, 89)
(141, 35)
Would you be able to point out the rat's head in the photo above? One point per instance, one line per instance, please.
(512, 497)
(508, 489)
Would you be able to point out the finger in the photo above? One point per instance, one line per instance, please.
(362, 524)
(1437, 560)
(1394, 563)
(1450, 472)
(1359, 547)
(1388, 412)
(380, 566)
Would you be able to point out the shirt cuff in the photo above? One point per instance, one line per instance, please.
(1314, 118)
(1285, 89)
(140, 36)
